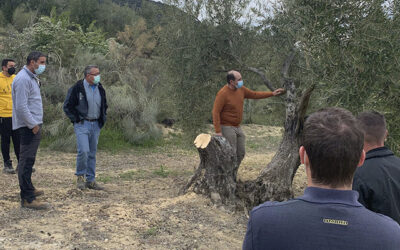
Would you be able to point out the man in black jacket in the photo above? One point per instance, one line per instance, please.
(86, 107)
(378, 179)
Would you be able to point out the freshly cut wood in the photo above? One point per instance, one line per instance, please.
(215, 175)
(202, 140)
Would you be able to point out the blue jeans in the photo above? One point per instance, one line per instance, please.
(87, 137)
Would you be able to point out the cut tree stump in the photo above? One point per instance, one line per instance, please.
(215, 175)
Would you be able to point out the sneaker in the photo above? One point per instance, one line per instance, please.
(80, 182)
(35, 204)
(94, 185)
(8, 168)
(38, 192)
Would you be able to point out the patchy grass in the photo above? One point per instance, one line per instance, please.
(162, 171)
(112, 141)
(128, 175)
(104, 178)
(150, 232)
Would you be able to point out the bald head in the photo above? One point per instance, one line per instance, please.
(232, 76)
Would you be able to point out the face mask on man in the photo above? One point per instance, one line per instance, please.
(11, 71)
(96, 79)
(239, 85)
(41, 69)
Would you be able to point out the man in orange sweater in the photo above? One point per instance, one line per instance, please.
(228, 110)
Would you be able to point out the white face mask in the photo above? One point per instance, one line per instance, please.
(96, 79)
(41, 69)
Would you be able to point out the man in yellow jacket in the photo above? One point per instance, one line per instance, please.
(6, 78)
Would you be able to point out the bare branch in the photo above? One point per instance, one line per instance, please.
(287, 63)
(263, 77)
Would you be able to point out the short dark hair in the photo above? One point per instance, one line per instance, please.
(374, 126)
(5, 62)
(34, 55)
(334, 143)
(87, 69)
(230, 76)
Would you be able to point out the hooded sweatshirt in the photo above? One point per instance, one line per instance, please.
(5, 95)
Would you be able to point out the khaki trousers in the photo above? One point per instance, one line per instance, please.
(236, 138)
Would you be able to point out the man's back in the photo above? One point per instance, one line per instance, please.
(378, 182)
(320, 219)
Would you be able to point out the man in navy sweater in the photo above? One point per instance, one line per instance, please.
(328, 215)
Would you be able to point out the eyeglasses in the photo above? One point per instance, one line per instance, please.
(95, 74)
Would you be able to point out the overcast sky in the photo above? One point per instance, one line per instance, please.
(247, 13)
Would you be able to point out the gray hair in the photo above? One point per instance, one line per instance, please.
(35, 55)
(88, 68)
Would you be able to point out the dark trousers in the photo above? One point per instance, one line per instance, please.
(29, 144)
(7, 132)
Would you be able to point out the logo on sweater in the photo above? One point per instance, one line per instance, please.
(336, 222)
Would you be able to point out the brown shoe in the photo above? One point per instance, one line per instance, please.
(38, 192)
(35, 204)
(94, 185)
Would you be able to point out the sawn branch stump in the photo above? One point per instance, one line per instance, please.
(215, 175)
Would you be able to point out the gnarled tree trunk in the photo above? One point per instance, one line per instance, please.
(215, 175)
(275, 181)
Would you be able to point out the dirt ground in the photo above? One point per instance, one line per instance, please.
(139, 209)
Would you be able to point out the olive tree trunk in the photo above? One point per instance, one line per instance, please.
(215, 176)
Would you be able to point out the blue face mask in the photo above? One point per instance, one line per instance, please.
(40, 70)
(239, 85)
(96, 79)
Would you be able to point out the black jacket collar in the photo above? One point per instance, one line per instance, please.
(378, 152)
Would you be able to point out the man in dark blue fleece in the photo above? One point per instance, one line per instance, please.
(378, 179)
(328, 215)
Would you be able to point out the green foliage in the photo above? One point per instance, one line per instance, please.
(55, 36)
(23, 18)
(194, 53)
(350, 48)
(112, 17)
(83, 11)
(2, 19)
(8, 7)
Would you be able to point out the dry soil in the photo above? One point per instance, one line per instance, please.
(140, 208)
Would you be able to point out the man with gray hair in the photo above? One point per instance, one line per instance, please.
(86, 107)
(27, 119)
